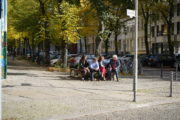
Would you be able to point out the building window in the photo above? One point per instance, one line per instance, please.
(178, 9)
(152, 31)
(128, 29)
(178, 27)
(142, 43)
(157, 31)
(131, 29)
(162, 30)
(173, 11)
(172, 29)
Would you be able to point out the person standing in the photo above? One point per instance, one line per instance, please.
(102, 67)
(114, 67)
(94, 67)
(84, 67)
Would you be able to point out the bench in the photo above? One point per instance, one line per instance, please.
(74, 72)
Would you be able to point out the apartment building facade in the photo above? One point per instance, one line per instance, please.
(157, 36)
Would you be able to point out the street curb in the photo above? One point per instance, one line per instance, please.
(108, 115)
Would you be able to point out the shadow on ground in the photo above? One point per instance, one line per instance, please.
(21, 74)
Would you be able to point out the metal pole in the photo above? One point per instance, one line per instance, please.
(136, 51)
(5, 39)
(176, 70)
(161, 70)
(0, 63)
(171, 83)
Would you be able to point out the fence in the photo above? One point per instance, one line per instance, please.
(171, 76)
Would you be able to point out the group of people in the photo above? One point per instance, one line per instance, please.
(97, 66)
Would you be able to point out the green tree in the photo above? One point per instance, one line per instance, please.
(65, 25)
(109, 12)
(44, 9)
(166, 9)
(118, 9)
(146, 10)
(22, 21)
(88, 23)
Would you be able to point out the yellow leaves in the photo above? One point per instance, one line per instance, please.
(69, 22)
(12, 34)
(84, 3)
(89, 19)
(64, 25)
(73, 37)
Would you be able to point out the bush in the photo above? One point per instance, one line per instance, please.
(20, 57)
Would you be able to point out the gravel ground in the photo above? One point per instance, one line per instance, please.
(31, 93)
(158, 112)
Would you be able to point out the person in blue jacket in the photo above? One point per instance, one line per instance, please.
(94, 67)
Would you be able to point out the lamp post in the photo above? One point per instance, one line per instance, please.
(136, 52)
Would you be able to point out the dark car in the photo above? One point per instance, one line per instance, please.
(168, 60)
(157, 60)
(144, 59)
(153, 60)
(177, 64)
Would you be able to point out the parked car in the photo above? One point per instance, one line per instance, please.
(153, 60)
(177, 57)
(144, 59)
(90, 57)
(168, 60)
(55, 60)
(157, 60)
(53, 56)
(177, 63)
(126, 57)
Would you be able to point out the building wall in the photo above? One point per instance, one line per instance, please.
(129, 38)
(126, 39)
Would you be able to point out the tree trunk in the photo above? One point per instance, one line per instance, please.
(85, 44)
(33, 49)
(64, 53)
(116, 43)
(19, 47)
(47, 44)
(146, 36)
(99, 39)
(98, 47)
(29, 47)
(107, 44)
(46, 41)
(94, 45)
(169, 25)
(24, 48)
(80, 45)
(170, 44)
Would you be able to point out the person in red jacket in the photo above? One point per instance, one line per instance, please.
(102, 67)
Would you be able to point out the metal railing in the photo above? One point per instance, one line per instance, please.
(175, 76)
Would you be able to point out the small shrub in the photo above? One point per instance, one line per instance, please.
(20, 57)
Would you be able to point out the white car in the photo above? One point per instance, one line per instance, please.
(54, 61)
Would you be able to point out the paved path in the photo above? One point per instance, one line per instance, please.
(31, 93)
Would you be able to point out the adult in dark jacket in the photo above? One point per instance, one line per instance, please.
(114, 67)
(84, 66)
